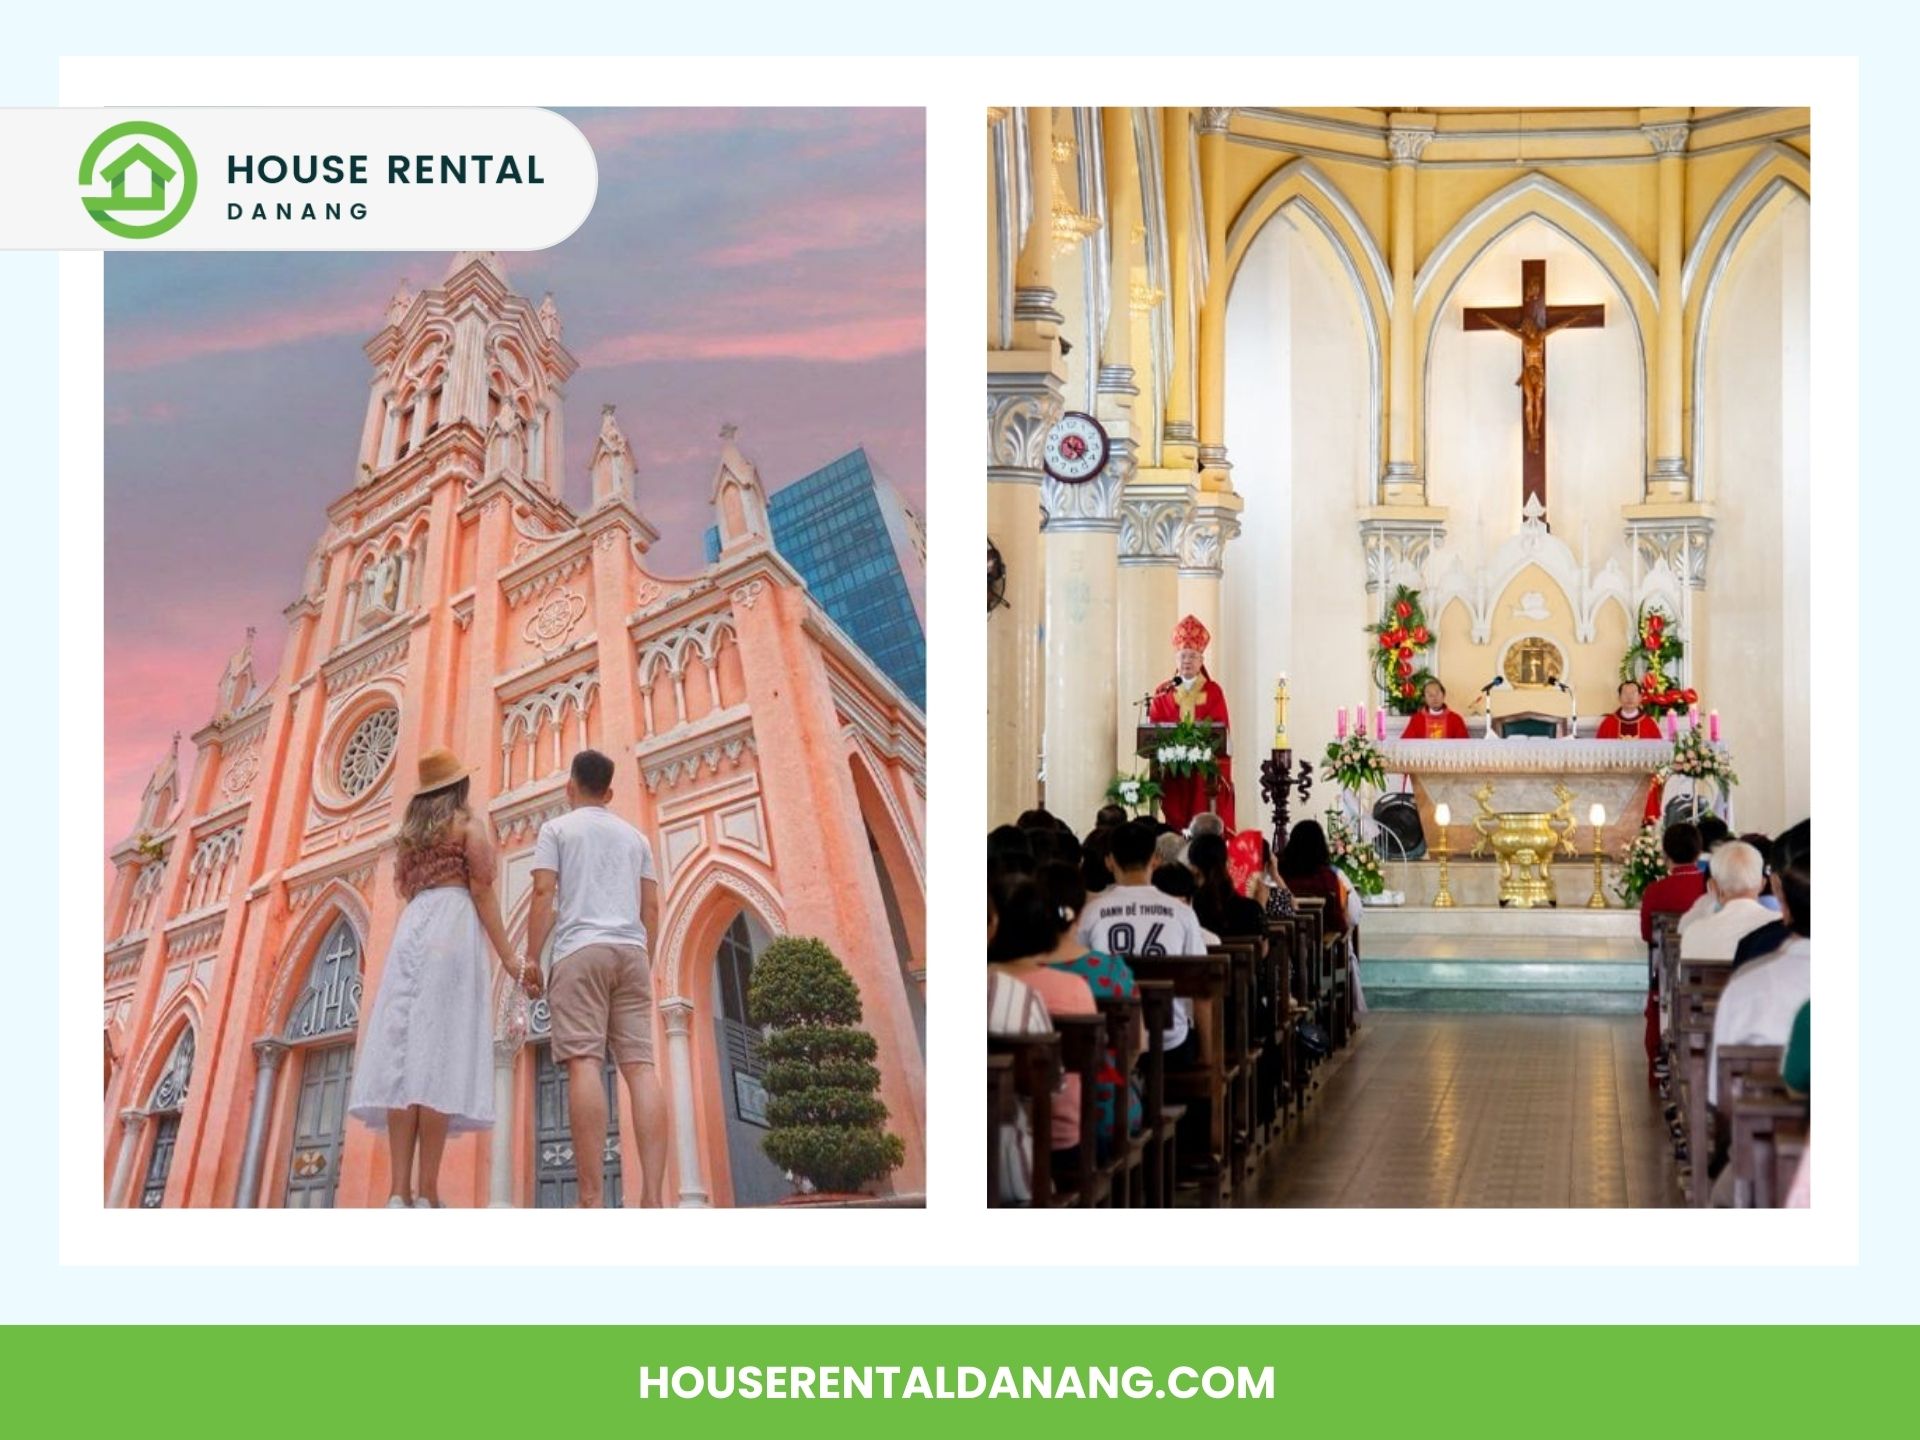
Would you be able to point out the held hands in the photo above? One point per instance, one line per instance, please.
(530, 979)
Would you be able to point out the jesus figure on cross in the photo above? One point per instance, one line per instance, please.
(1531, 322)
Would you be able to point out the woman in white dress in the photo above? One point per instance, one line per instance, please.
(425, 1067)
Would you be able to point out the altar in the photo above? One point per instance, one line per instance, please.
(1527, 774)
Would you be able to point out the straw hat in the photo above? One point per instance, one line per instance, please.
(440, 768)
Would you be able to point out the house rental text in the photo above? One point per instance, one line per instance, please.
(401, 169)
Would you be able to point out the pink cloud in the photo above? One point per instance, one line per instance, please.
(842, 341)
(346, 313)
(825, 223)
(610, 132)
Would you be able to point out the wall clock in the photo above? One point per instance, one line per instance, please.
(1076, 448)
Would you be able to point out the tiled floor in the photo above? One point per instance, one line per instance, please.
(1479, 1110)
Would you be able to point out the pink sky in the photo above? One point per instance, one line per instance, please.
(760, 267)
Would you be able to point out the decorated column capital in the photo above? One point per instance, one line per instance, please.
(1214, 119)
(1667, 139)
(1397, 550)
(1152, 517)
(1022, 406)
(1406, 146)
(676, 1014)
(1203, 539)
(132, 1120)
(1681, 542)
(1092, 505)
(267, 1053)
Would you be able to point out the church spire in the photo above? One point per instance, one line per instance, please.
(612, 466)
(738, 498)
(488, 258)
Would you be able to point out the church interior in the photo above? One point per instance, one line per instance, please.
(1398, 524)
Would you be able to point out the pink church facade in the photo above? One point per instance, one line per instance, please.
(455, 599)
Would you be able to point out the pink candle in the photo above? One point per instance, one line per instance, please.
(1693, 716)
(1673, 726)
(1360, 719)
(1379, 723)
(1340, 723)
(1713, 726)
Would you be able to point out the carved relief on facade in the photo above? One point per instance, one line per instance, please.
(550, 627)
(668, 664)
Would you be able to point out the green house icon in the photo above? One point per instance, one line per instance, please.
(159, 194)
(159, 175)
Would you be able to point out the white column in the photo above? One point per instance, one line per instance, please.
(677, 1013)
(1203, 549)
(1402, 483)
(131, 1122)
(500, 1140)
(1082, 548)
(266, 1063)
(1669, 480)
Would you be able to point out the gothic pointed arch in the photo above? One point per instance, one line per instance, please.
(1761, 192)
(692, 918)
(1300, 191)
(180, 1017)
(340, 903)
(1577, 220)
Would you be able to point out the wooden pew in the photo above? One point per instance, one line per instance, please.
(1202, 980)
(1129, 1150)
(1239, 1135)
(1281, 1059)
(1663, 955)
(1756, 1102)
(1001, 1106)
(1162, 1119)
(1036, 1078)
(1083, 1051)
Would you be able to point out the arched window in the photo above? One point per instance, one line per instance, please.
(169, 1094)
(330, 1003)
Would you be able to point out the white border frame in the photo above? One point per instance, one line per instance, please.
(955, 1231)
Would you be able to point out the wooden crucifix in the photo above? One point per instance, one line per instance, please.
(1531, 322)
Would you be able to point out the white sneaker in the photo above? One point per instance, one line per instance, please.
(394, 1202)
(421, 1202)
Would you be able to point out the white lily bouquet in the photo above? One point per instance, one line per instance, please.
(1186, 750)
(1138, 794)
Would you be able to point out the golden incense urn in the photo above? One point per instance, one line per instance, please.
(1525, 842)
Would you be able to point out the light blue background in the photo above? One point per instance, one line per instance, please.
(1882, 1287)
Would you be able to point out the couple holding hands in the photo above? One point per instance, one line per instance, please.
(425, 1067)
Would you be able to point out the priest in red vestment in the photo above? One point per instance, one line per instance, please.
(1435, 720)
(1192, 694)
(1629, 722)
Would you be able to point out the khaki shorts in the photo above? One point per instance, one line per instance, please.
(601, 998)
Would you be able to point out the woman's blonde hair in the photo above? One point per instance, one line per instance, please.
(431, 815)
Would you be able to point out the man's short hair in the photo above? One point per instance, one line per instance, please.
(1133, 845)
(1682, 843)
(1206, 823)
(1170, 849)
(1738, 868)
(1713, 832)
(1632, 685)
(1110, 815)
(592, 772)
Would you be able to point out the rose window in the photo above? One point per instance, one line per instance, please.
(363, 759)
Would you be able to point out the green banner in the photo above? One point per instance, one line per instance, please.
(950, 1380)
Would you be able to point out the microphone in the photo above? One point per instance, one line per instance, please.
(1494, 684)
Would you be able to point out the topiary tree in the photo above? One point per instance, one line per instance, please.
(827, 1124)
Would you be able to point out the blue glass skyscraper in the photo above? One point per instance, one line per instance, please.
(848, 533)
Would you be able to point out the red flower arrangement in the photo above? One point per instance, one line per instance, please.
(1398, 671)
(1650, 662)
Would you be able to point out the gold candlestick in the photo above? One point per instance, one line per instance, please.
(1443, 817)
(1598, 900)
(1280, 714)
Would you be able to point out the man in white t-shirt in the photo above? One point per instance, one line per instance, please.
(1131, 917)
(595, 895)
(1735, 877)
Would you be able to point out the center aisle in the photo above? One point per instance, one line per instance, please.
(1480, 1110)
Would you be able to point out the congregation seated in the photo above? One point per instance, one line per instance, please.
(1107, 976)
(1683, 884)
(1025, 937)
(1012, 1009)
(1218, 903)
(1306, 865)
(1713, 834)
(1733, 887)
(1132, 917)
(1789, 848)
(1761, 1002)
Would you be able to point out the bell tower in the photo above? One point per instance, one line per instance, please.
(469, 357)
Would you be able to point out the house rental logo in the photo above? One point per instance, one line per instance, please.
(147, 171)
